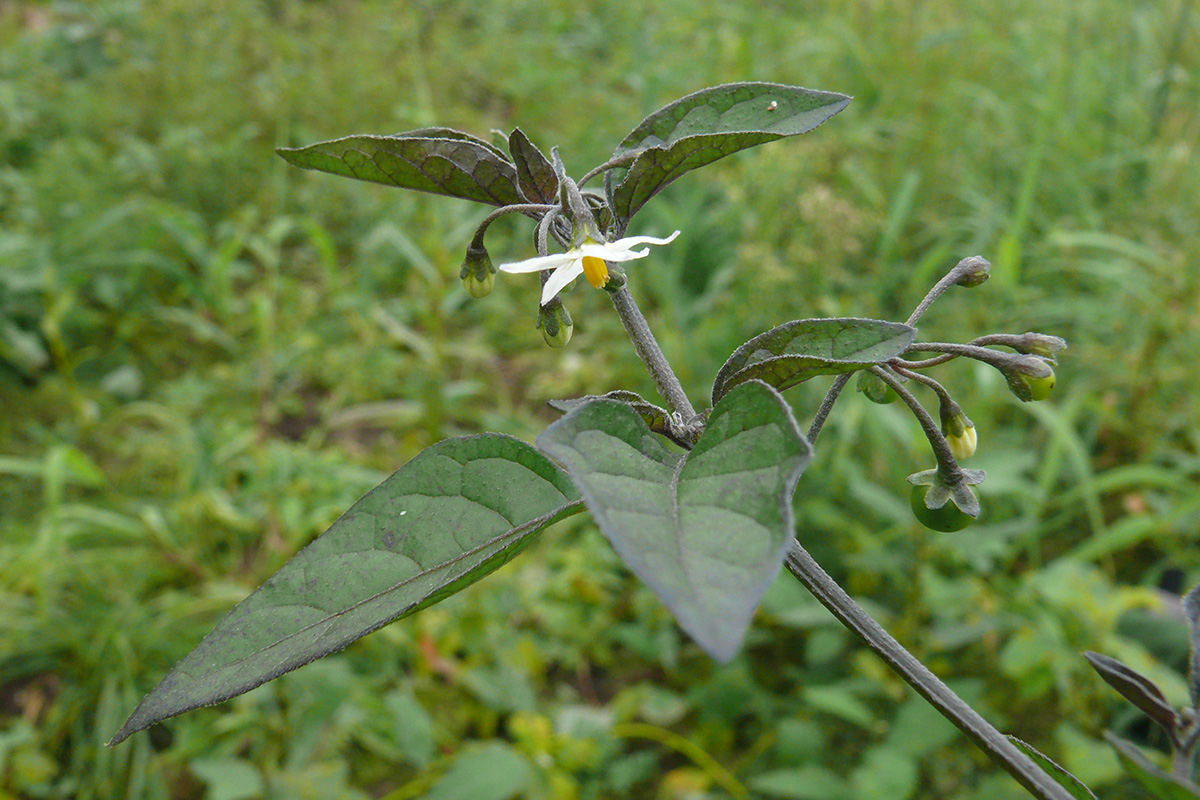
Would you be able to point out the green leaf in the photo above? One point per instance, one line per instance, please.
(1073, 785)
(456, 512)
(535, 174)
(488, 772)
(798, 350)
(802, 783)
(707, 531)
(436, 160)
(228, 778)
(1158, 783)
(708, 125)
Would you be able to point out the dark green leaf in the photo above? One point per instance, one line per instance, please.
(1159, 784)
(1073, 785)
(535, 174)
(440, 161)
(456, 512)
(1136, 688)
(707, 531)
(451, 133)
(657, 419)
(798, 350)
(708, 125)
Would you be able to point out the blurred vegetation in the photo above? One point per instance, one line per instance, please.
(206, 356)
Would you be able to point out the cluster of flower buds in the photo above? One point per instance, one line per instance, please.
(942, 498)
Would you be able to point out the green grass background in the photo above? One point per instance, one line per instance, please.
(207, 355)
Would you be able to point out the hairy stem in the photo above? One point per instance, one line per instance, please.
(651, 354)
(916, 675)
(941, 450)
(964, 267)
(831, 397)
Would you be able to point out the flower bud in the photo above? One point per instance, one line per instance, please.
(555, 323)
(959, 430)
(616, 278)
(974, 271)
(1041, 344)
(963, 445)
(478, 275)
(1029, 377)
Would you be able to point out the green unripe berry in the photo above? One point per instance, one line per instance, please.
(875, 389)
(947, 519)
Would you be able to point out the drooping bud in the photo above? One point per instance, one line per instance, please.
(1044, 345)
(975, 271)
(555, 323)
(958, 429)
(1029, 377)
(478, 274)
(874, 388)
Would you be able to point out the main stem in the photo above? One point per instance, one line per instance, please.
(840, 604)
(651, 354)
(918, 676)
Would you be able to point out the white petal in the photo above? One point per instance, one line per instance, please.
(632, 240)
(541, 262)
(560, 278)
(609, 252)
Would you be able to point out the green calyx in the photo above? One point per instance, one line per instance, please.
(555, 324)
(478, 274)
(947, 518)
(944, 500)
(975, 271)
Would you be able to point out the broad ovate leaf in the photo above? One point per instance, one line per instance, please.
(437, 160)
(706, 530)
(708, 125)
(453, 514)
(796, 351)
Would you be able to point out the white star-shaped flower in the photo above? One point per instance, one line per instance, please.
(586, 259)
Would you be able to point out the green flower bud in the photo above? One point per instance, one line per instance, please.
(975, 271)
(1041, 344)
(963, 445)
(478, 275)
(1029, 377)
(958, 429)
(874, 388)
(555, 323)
(616, 278)
(1040, 388)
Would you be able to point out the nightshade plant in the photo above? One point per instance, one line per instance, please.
(698, 504)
